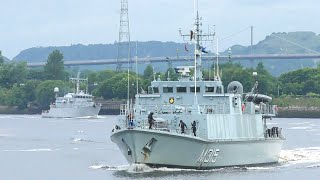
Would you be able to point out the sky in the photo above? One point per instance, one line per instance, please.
(34, 23)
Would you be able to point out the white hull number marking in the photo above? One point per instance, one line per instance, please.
(208, 156)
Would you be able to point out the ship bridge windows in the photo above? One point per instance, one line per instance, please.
(181, 89)
(209, 89)
(167, 89)
(192, 88)
(153, 90)
(219, 90)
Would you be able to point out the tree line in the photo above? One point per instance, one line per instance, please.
(33, 87)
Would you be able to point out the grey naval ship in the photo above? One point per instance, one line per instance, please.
(219, 127)
(73, 105)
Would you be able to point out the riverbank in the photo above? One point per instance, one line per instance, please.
(16, 110)
(298, 112)
(112, 108)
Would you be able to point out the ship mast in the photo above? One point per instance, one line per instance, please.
(217, 53)
(197, 58)
(77, 81)
(197, 48)
(196, 37)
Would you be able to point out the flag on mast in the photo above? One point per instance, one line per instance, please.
(203, 49)
(191, 35)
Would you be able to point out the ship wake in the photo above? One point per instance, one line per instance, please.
(309, 155)
(79, 140)
(110, 168)
(143, 168)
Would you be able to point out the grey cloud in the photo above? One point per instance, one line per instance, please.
(63, 22)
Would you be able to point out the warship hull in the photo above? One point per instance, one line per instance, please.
(164, 149)
(72, 112)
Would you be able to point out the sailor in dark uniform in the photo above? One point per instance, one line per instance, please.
(182, 125)
(150, 120)
(194, 128)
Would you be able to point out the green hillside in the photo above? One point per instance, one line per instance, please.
(283, 43)
(102, 51)
(5, 58)
(276, 43)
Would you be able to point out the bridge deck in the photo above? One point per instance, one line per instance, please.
(183, 58)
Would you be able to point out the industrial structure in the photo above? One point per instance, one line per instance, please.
(124, 50)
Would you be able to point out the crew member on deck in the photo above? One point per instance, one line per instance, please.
(130, 120)
(194, 128)
(150, 120)
(182, 125)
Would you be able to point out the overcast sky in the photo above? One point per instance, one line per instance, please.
(33, 23)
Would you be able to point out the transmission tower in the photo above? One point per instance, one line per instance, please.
(124, 36)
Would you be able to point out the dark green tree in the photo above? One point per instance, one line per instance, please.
(12, 73)
(235, 72)
(172, 75)
(104, 75)
(3, 96)
(54, 68)
(267, 83)
(17, 97)
(30, 88)
(117, 86)
(45, 94)
(36, 74)
(301, 82)
(148, 72)
(1, 58)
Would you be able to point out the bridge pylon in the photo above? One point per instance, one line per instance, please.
(124, 49)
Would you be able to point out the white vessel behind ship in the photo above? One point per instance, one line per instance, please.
(73, 105)
(231, 128)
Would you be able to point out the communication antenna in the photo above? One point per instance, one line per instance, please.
(77, 81)
(137, 78)
(124, 51)
(217, 53)
(197, 37)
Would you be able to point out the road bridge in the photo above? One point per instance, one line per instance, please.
(145, 60)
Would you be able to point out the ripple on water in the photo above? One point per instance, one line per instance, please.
(301, 128)
(300, 155)
(81, 140)
(111, 168)
(314, 166)
(300, 123)
(32, 150)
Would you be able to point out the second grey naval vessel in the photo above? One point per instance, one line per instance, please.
(194, 123)
(73, 105)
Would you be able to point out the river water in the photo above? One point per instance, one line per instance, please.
(33, 148)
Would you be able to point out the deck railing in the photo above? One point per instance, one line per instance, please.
(157, 125)
(176, 109)
(268, 110)
(274, 132)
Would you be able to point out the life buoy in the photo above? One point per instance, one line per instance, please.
(243, 107)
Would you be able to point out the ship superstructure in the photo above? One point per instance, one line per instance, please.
(71, 105)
